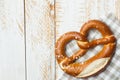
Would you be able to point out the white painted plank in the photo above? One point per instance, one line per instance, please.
(117, 8)
(12, 53)
(71, 15)
(40, 39)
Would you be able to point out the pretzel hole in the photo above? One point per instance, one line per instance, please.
(71, 48)
(90, 53)
(93, 34)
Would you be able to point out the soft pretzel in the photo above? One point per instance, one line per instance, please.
(93, 64)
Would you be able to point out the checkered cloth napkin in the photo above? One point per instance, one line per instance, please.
(112, 71)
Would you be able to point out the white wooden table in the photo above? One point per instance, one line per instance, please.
(28, 30)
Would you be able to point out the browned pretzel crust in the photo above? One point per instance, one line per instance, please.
(82, 69)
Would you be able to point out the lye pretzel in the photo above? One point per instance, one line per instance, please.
(94, 64)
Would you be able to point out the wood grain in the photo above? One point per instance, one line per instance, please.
(40, 34)
(40, 39)
(117, 8)
(12, 53)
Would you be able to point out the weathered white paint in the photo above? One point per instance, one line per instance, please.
(12, 50)
(40, 39)
(70, 15)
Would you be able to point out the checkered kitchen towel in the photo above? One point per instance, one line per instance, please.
(112, 71)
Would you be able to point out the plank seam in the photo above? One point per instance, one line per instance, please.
(24, 2)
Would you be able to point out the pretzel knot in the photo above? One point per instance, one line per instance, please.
(92, 65)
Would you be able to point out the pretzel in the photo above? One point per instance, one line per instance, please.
(94, 64)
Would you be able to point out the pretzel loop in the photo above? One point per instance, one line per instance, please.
(82, 69)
